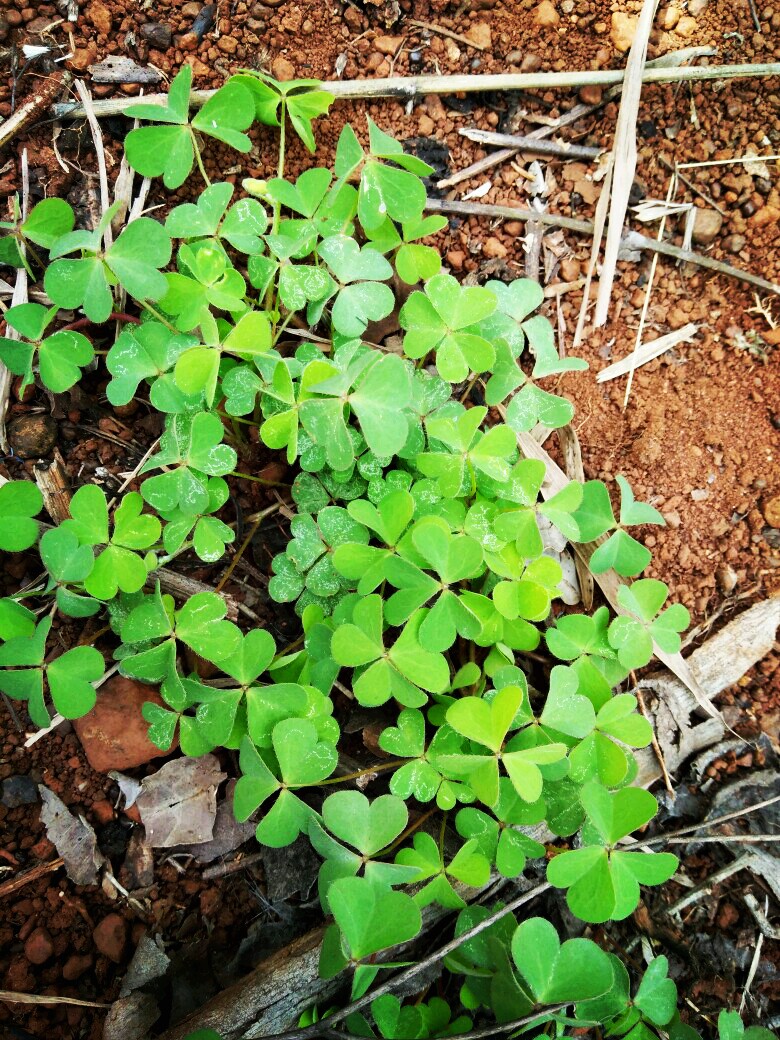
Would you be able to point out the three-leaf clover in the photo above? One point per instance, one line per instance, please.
(438, 319)
(47, 221)
(117, 566)
(142, 352)
(300, 99)
(498, 835)
(632, 634)
(69, 677)
(60, 357)
(601, 879)
(192, 446)
(594, 517)
(401, 672)
(468, 866)
(133, 260)
(487, 723)
(303, 761)
(169, 147)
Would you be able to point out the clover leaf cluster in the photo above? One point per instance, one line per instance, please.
(423, 560)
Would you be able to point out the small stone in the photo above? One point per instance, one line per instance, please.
(388, 44)
(114, 733)
(726, 578)
(591, 94)
(227, 44)
(514, 57)
(494, 249)
(282, 69)
(772, 512)
(531, 63)
(425, 126)
(568, 6)
(110, 937)
(697, 7)
(545, 14)
(38, 948)
(570, 269)
(670, 17)
(687, 26)
(453, 51)
(191, 9)
(706, 226)
(102, 811)
(734, 243)
(32, 436)
(700, 494)
(19, 790)
(480, 34)
(623, 30)
(100, 16)
(189, 41)
(75, 966)
(157, 35)
(456, 259)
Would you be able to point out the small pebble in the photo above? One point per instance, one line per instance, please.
(19, 790)
(38, 948)
(110, 937)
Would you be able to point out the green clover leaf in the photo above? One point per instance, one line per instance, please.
(20, 501)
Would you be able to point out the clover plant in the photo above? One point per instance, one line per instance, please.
(422, 559)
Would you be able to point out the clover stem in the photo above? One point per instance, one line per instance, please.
(381, 768)
(199, 160)
(258, 480)
(442, 832)
(282, 327)
(156, 314)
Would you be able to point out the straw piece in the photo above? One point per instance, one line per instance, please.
(647, 352)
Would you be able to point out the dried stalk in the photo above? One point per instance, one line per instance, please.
(414, 86)
(54, 485)
(632, 240)
(535, 146)
(14, 884)
(672, 60)
(33, 108)
(624, 157)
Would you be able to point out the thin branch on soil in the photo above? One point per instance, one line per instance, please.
(672, 60)
(763, 922)
(632, 240)
(535, 146)
(757, 24)
(654, 739)
(744, 862)
(32, 109)
(714, 822)
(20, 880)
(690, 184)
(414, 86)
(32, 998)
(645, 352)
(223, 869)
(725, 839)
(419, 967)
(624, 158)
(496, 1029)
(446, 32)
(753, 969)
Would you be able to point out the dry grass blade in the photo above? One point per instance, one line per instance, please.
(624, 157)
(18, 297)
(572, 462)
(33, 998)
(100, 153)
(647, 351)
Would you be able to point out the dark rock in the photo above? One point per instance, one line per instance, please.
(75, 966)
(157, 35)
(19, 790)
(204, 21)
(32, 436)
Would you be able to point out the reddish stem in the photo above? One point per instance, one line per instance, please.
(83, 323)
